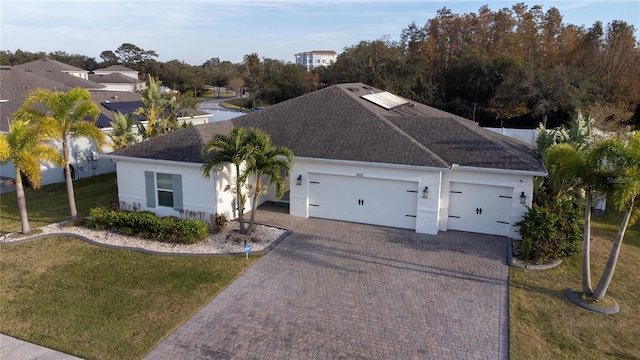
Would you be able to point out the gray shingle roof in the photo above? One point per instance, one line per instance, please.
(116, 68)
(57, 71)
(336, 123)
(113, 78)
(183, 146)
(16, 84)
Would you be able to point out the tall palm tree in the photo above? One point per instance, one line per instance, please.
(623, 159)
(71, 115)
(224, 149)
(25, 145)
(571, 172)
(268, 160)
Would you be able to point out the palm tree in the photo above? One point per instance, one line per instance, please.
(25, 145)
(266, 160)
(122, 134)
(571, 172)
(71, 115)
(623, 159)
(232, 149)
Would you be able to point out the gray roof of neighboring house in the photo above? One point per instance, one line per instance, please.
(17, 84)
(337, 123)
(113, 78)
(116, 68)
(57, 71)
(47, 64)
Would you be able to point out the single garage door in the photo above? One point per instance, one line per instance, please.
(480, 208)
(363, 200)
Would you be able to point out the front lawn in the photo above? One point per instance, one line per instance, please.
(50, 203)
(99, 303)
(545, 325)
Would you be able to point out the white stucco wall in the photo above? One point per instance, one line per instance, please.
(80, 150)
(199, 194)
(118, 87)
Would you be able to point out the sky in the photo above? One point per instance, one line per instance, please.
(195, 31)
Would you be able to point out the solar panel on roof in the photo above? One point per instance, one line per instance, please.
(124, 107)
(385, 99)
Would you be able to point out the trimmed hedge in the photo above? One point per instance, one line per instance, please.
(148, 225)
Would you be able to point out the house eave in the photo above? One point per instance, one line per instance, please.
(151, 161)
(364, 163)
(499, 171)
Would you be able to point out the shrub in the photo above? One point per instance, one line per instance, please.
(192, 231)
(218, 222)
(148, 225)
(550, 231)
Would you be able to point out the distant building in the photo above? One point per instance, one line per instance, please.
(313, 59)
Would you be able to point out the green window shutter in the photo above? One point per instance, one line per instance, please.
(150, 187)
(177, 191)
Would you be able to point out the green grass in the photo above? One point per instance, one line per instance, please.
(545, 325)
(51, 205)
(99, 303)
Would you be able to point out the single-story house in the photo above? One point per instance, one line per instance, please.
(361, 155)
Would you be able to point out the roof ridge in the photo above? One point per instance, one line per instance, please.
(399, 131)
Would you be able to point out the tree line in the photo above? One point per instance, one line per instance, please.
(512, 67)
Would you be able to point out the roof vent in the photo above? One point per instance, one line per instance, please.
(352, 89)
(367, 87)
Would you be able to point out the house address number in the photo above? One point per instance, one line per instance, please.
(359, 174)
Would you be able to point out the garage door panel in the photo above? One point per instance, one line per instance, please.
(365, 200)
(480, 208)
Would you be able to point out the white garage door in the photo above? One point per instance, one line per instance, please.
(479, 208)
(364, 200)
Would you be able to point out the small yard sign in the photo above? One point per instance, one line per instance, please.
(247, 250)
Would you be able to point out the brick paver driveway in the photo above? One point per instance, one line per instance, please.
(334, 290)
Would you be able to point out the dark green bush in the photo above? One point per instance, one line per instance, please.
(550, 231)
(148, 225)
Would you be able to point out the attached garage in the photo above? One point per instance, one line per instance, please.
(479, 208)
(364, 200)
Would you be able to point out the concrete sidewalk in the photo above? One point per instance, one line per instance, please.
(15, 349)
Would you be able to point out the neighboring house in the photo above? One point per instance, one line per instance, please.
(17, 82)
(116, 82)
(118, 69)
(117, 78)
(60, 72)
(316, 58)
(362, 155)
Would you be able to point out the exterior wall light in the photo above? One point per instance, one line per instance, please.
(425, 192)
(523, 198)
(299, 180)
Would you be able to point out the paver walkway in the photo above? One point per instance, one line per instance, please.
(335, 290)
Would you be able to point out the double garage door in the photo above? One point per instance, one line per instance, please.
(363, 200)
(480, 208)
